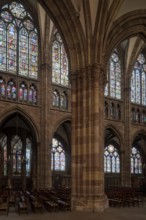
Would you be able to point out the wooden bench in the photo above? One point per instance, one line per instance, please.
(22, 207)
(4, 206)
(37, 206)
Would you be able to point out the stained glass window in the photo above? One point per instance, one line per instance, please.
(28, 156)
(16, 147)
(32, 94)
(111, 160)
(113, 88)
(63, 100)
(136, 161)
(3, 141)
(18, 41)
(2, 46)
(2, 88)
(58, 156)
(11, 90)
(56, 99)
(59, 62)
(23, 91)
(138, 81)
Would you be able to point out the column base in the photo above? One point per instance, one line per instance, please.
(89, 203)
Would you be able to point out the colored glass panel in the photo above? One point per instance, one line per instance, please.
(33, 55)
(59, 62)
(16, 146)
(32, 94)
(11, 90)
(138, 81)
(28, 156)
(6, 16)
(2, 88)
(58, 156)
(28, 25)
(136, 161)
(17, 10)
(2, 46)
(113, 88)
(111, 160)
(23, 52)
(20, 31)
(11, 48)
(23, 92)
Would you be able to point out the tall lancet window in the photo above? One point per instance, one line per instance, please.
(138, 81)
(136, 161)
(16, 145)
(59, 61)
(113, 87)
(18, 41)
(111, 160)
(58, 156)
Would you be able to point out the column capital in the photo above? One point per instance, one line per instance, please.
(99, 74)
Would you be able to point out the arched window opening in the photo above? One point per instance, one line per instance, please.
(32, 94)
(16, 147)
(28, 156)
(111, 160)
(2, 87)
(3, 142)
(56, 99)
(18, 41)
(136, 161)
(58, 156)
(138, 81)
(138, 116)
(23, 91)
(133, 115)
(59, 61)
(11, 90)
(113, 111)
(64, 100)
(113, 87)
(118, 112)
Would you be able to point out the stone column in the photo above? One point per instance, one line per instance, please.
(44, 149)
(126, 148)
(87, 140)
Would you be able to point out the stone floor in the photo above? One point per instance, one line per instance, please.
(131, 213)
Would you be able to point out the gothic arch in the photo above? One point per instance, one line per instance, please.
(139, 132)
(68, 23)
(26, 117)
(129, 25)
(116, 132)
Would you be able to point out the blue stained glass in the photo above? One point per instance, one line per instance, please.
(11, 48)
(21, 33)
(2, 46)
(59, 62)
(11, 90)
(6, 16)
(111, 159)
(58, 156)
(17, 10)
(23, 92)
(113, 88)
(23, 52)
(138, 81)
(33, 55)
(136, 161)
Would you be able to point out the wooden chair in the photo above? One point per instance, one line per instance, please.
(4, 205)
